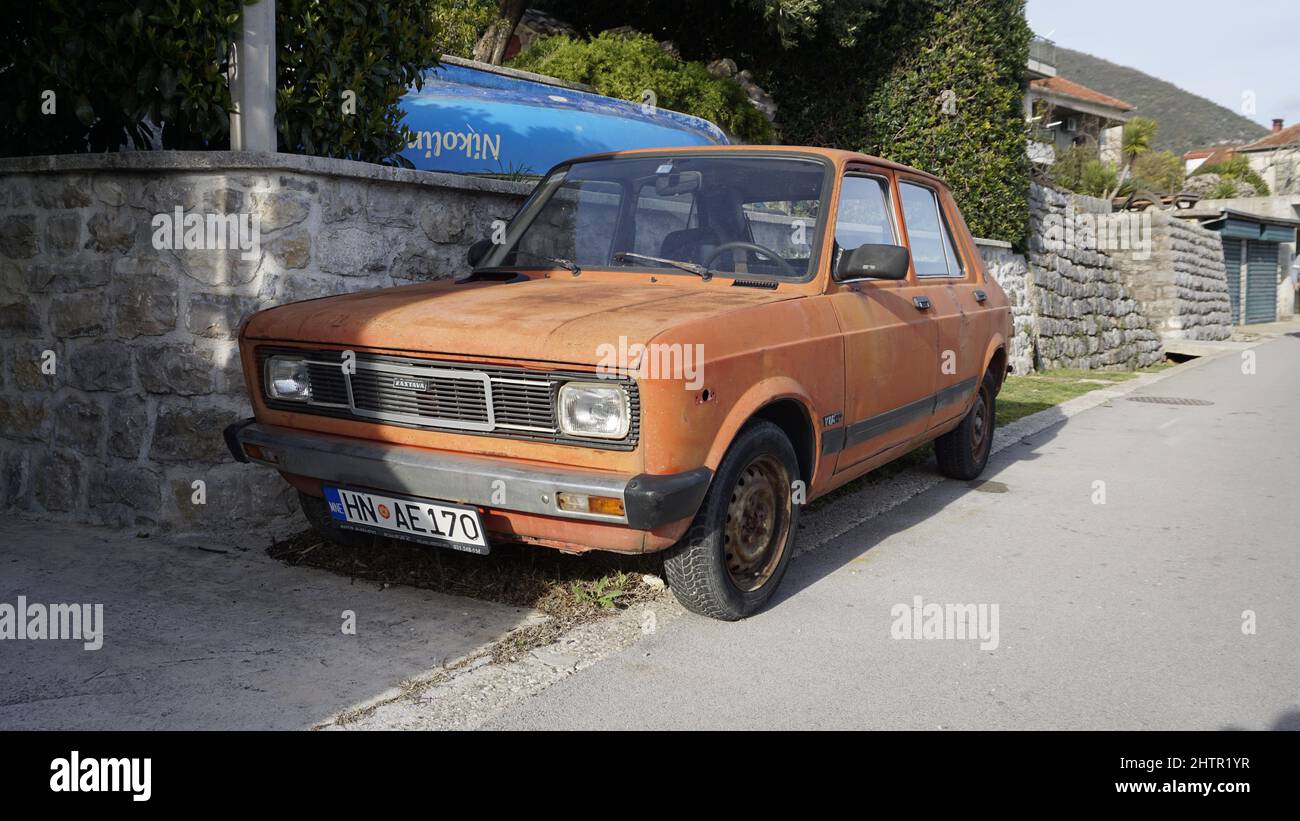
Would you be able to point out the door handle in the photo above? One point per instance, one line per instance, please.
(980, 296)
(922, 303)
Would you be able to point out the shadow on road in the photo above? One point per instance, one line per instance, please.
(938, 493)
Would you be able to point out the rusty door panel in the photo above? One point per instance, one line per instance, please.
(890, 361)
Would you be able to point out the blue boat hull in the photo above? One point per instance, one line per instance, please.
(474, 121)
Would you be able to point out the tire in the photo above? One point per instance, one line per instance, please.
(964, 451)
(737, 549)
(318, 516)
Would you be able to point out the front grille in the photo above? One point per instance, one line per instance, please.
(438, 398)
(490, 400)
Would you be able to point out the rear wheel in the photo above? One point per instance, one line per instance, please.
(736, 551)
(964, 451)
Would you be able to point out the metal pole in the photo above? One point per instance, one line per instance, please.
(252, 126)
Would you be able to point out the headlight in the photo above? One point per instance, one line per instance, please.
(286, 378)
(594, 409)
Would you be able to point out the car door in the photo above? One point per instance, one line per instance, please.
(947, 277)
(890, 341)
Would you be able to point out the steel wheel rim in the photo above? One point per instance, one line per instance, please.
(982, 423)
(758, 523)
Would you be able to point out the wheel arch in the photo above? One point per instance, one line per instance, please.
(795, 422)
(782, 402)
(995, 360)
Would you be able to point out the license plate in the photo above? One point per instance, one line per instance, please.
(415, 520)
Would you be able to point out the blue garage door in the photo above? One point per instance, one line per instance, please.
(1232, 261)
(1261, 282)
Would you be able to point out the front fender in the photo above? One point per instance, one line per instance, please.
(766, 392)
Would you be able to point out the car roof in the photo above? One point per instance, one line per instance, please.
(835, 155)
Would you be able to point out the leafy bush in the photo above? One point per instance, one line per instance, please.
(1234, 172)
(460, 22)
(1160, 171)
(624, 67)
(375, 49)
(1079, 169)
(883, 89)
(114, 66)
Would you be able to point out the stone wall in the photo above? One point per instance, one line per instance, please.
(1011, 271)
(1180, 280)
(1083, 315)
(1102, 290)
(118, 365)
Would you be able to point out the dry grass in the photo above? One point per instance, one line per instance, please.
(569, 589)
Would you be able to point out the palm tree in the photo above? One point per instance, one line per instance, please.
(1139, 133)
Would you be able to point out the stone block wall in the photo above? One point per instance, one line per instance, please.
(1102, 290)
(1011, 271)
(1083, 314)
(118, 363)
(1181, 281)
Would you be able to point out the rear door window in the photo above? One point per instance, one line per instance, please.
(930, 241)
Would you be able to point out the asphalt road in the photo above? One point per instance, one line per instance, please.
(1127, 614)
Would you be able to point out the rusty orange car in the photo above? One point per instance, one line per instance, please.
(664, 350)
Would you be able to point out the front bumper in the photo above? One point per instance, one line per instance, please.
(648, 501)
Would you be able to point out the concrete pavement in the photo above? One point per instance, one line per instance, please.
(197, 639)
(1128, 613)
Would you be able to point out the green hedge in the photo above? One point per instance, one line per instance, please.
(938, 87)
(880, 91)
(115, 66)
(374, 49)
(624, 67)
(110, 65)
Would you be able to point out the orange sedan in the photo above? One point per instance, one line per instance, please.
(669, 349)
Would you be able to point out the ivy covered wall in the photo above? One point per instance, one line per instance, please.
(932, 83)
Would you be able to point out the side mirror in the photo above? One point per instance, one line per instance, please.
(476, 252)
(874, 261)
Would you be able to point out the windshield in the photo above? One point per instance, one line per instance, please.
(732, 215)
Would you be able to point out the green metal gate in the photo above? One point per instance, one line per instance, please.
(1261, 282)
(1232, 261)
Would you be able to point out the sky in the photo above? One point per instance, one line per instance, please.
(1227, 52)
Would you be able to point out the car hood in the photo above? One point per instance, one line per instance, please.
(559, 319)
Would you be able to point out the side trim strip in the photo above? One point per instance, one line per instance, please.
(834, 441)
(954, 393)
(860, 432)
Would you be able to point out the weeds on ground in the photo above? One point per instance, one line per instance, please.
(569, 589)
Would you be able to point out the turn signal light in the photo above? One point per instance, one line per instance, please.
(582, 503)
(261, 454)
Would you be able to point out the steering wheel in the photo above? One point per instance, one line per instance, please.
(786, 268)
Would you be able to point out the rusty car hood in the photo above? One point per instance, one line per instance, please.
(556, 319)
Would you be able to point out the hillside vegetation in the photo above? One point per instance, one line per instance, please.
(1186, 120)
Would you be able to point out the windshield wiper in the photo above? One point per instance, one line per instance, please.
(566, 264)
(699, 270)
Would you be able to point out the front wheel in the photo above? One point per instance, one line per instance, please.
(964, 451)
(733, 556)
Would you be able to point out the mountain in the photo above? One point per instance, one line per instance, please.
(1186, 120)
